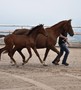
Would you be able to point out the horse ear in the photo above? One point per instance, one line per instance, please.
(69, 20)
(42, 25)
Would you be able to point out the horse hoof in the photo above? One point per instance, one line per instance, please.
(45, 65)
(11, 62)
(13, 65)
(17, 66)
(23, 63)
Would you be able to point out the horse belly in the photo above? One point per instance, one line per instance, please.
(20, 42)
(41, 42)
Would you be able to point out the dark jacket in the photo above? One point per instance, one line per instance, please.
(62, 40)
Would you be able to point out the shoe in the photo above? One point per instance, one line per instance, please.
(56, 63)
(66, 64)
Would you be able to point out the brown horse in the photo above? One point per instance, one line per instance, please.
(23, 41)
(50, 41)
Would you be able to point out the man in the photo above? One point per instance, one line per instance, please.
(63, 48)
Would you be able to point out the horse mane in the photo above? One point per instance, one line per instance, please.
(61, 22)
(34, 28)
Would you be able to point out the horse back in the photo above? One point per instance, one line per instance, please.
(20, 31)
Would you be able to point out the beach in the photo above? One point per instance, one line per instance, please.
(35, 76)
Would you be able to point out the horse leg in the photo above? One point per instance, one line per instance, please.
(36, 52)
(55, 50)
(19, 51)
(10, 53)
(23, 57)
(13, 51)
(46, 53)
(30, 55)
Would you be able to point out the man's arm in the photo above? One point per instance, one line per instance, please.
(64, 38)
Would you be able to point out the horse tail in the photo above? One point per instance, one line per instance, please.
(1, 50)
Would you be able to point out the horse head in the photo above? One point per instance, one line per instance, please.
(39, 29)
(68, 28)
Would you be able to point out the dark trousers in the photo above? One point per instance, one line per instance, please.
(63, 48)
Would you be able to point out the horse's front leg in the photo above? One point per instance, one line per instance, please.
(36, 52)
(46, 53)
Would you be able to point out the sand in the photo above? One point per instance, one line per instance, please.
(34, 76)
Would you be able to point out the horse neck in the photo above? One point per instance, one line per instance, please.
(34, 35)
(57, 29)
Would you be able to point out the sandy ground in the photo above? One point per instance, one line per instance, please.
(34, 76)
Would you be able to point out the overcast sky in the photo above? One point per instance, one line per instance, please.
(33, 12)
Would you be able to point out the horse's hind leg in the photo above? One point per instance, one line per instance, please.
(19, 51)
(23, 57)
(55, 50)
(30, 55)
(11, 57)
